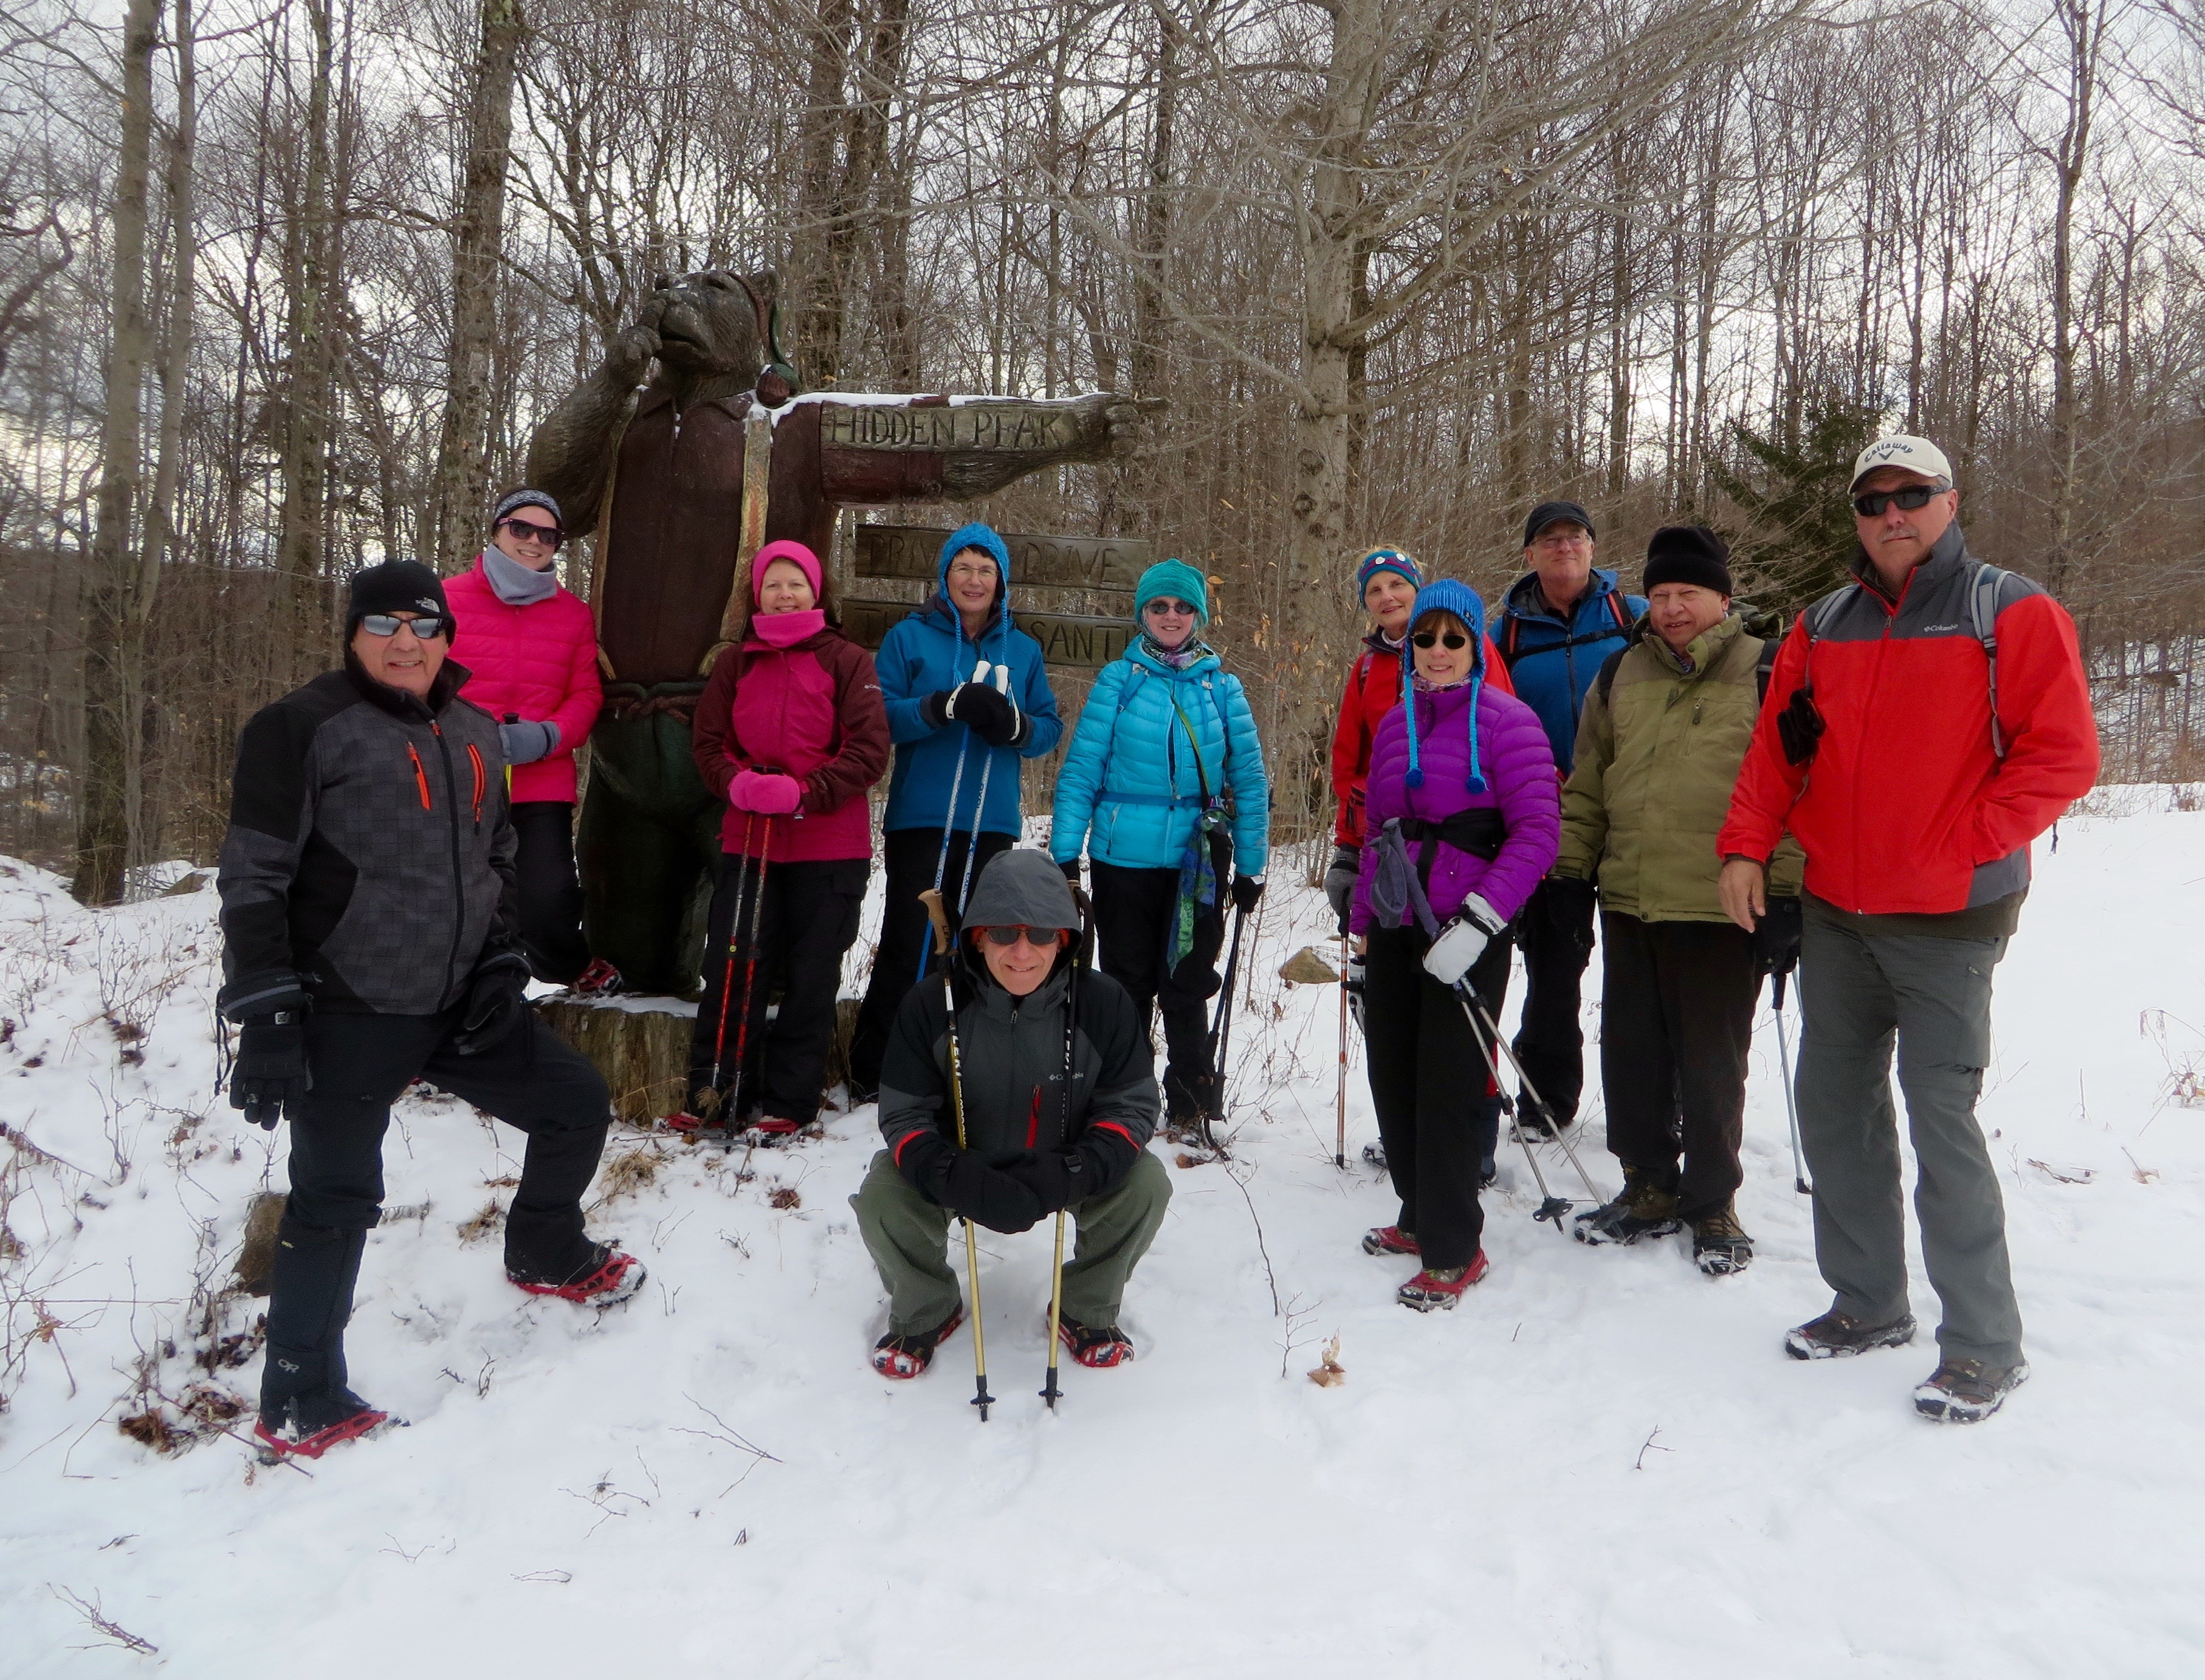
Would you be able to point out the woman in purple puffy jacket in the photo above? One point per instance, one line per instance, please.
(1462, 817)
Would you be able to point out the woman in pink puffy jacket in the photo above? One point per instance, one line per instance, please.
(531, 651)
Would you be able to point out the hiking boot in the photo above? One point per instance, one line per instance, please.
(1967, 1391)
(1639, 1211)
(1835, 1336)
(603, 1276)
(1720, 1244)
(306, 1426)
(1390, 1239)
(1438, 1292)
(907, 1356)
(1097, 1350)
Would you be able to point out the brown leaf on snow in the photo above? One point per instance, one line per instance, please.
(785, 1198)
(1330, 1373)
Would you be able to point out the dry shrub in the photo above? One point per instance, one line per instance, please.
(626, 1174)
(490, 1219)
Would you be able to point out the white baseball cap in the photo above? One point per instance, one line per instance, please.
(1916, 454)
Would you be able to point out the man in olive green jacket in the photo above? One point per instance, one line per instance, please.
(1665, 728)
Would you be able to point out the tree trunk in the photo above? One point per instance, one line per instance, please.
(818, 252)
(478, 246)
(103, 811)
(302, 530)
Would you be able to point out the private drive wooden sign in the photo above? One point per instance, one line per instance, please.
(1110, 565)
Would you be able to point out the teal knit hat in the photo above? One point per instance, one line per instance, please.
(1175, 579)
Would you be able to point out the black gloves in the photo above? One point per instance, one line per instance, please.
(1071, 868)
(270, 1075)
(1340, 880)
(1570, 904)
(1096, 1166)
(494, 1005)
(936, 707)
(1776, 938)
(1246, 889)
(989, 714)
(1799, 726)
(987, 1197)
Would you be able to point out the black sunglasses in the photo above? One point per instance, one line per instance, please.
(427, 628)
(527, 531)
(1913, 496)
(1011, 935)
(1160, 605)
(1452, 639)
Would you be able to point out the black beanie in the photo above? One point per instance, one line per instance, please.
(394, 586)
(1687, 553)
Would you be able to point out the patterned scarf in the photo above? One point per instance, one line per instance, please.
(1177, 659)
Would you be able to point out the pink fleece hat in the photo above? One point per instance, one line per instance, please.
(807, 561)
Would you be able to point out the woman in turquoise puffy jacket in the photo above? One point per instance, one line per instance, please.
(1164, 790)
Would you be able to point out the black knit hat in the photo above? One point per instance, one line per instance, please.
(1688, 554)
(1554, 513)
(394, 586)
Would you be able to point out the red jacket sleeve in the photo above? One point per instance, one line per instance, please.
(863, 722)
(577, 715)
(2051, 733)
(1351, 757)
(1767, 784)
(710, 729)
(1496, 670)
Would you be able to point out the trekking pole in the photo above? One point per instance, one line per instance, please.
(1791, 1101)
(750, 979)
(1531, 1091)
(1002, 681)
(1220, 1029)
(940, 918)
(948, 828)
(728, 975)
(1049, 1391)
(1551, 1206)
(1340, 1134)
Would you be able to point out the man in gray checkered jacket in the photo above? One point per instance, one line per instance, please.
(368, 938)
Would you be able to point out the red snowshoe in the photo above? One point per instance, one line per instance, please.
(309, 1426)
(903, 1358)
(605, 1279)
(1097, 1350)
(1438, 1292)
(1390, 1239)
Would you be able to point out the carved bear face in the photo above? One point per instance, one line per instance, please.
(708, 321)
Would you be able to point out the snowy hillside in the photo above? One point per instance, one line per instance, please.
(1602, 1465)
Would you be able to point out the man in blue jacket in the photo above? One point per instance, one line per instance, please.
(1556, 627)
(967, 698)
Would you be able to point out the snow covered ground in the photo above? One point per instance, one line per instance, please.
(1601, 1465)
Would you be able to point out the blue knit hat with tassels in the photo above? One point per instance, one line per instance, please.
(1447, 596)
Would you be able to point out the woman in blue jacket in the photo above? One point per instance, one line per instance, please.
(1164, 789)
(967, 698)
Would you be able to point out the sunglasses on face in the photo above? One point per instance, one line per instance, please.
(1176, 608)
(1452, 640)
(527, 531)
(1039, 938)
(390, 624)
(1872, 505)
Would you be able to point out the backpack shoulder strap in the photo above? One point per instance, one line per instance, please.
(1983, 614)
(1765, 667)
(1622, 613)
(1605, 681)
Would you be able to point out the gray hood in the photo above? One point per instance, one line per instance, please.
(1021, 888)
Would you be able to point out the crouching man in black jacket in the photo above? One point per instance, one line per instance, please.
(368, 937)
(1026, 1017)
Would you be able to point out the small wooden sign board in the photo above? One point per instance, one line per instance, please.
(1110, 565)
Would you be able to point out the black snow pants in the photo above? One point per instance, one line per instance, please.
(1557, 944)
(359, 1064)
(550, 895)
(910, 854)
(1133, 909)
(798, 932)
(1439, 1109)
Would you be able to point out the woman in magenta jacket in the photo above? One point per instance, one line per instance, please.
(1462, 818)
(790, 730)
(531, 653)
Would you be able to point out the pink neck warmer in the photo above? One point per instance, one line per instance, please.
(786, 630)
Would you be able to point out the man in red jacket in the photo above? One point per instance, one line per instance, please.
(1942, 708)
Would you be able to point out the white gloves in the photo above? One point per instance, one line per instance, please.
(1462, 941)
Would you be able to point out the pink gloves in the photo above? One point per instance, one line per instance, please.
(767, 794)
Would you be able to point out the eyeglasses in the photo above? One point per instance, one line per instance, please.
(1036, 937)
(1186, 609)
(1872, 505)
(390, 624)
(527, 531)
(1453, 640)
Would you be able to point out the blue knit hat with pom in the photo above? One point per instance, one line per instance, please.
(1447, 596)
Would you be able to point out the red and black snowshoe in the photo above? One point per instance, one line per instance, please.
(903, 1358)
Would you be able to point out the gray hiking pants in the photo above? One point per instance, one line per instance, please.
(908, 1237)
(1857, 991)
